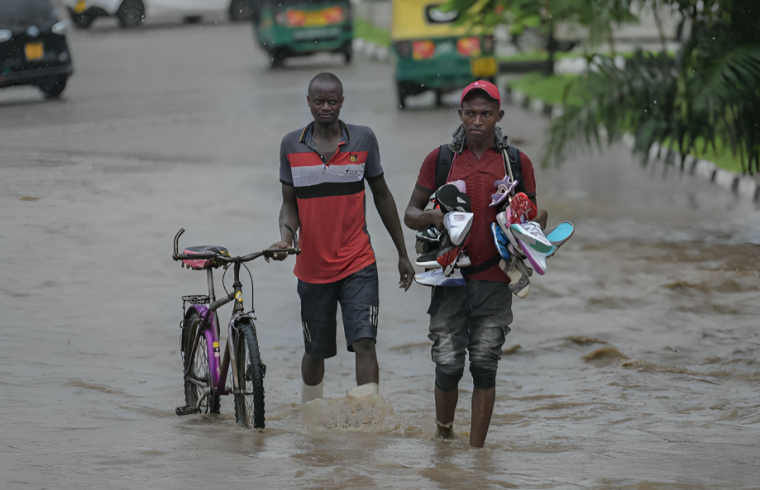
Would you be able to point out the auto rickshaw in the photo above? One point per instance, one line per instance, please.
(433, 53)
(288, 28)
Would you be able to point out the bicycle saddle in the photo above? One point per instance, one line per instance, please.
(204, 263)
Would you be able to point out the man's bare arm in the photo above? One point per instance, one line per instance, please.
(415, 216)
(288, 216)
(386, 207)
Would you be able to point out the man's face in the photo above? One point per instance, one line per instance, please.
(479, 114)
(325, 101)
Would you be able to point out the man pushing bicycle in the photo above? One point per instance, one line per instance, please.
(322, 170)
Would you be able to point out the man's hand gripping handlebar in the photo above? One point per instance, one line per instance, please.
(279, 253)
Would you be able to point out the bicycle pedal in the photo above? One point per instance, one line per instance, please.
(187, 410)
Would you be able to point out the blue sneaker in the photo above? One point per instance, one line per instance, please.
(501, 241)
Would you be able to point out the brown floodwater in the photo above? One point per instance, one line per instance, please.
(633, 364)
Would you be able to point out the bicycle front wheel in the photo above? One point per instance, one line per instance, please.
(249, 400)
(198, 379)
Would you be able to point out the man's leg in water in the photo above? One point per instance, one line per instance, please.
(367, 370)
(312, 369)
(359, 302)
(448, 331)
(445, 408)
(482, 409)
(319, 307)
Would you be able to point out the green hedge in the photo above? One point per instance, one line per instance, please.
(551, 89)
(365, 30)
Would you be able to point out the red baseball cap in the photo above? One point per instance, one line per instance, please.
(488, 87)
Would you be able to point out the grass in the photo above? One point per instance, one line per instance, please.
(365, 30)
(721, 155)
(551, 89)
(541, 55)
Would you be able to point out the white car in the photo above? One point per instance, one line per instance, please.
(132, 12)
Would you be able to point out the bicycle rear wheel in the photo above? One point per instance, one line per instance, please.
(249, 402)
(197, 366)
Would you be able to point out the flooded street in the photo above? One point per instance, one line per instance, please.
(633, 364)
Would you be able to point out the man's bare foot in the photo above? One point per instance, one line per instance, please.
(445, 431)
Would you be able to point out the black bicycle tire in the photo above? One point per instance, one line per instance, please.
(250, 369)
(193, 322)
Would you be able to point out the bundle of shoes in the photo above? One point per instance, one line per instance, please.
(442, 251)
(519, 239)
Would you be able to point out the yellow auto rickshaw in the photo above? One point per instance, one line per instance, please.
(433, 53)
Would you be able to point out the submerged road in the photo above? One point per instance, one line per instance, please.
(632, 364)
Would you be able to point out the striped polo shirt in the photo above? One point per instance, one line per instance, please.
(331, 201)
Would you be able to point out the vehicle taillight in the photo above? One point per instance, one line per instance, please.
(296, 18)
(333, 15)
(423, 49)
(403, 48)
(487, 44)
(469, 46)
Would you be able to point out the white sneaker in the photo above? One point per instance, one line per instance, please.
(458, 225)
(531, 233)
(436, 277)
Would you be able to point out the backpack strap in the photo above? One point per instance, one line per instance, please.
(516, 166)
(483, 266)
(445, 157)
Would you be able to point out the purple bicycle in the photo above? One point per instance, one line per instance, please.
(205, 373)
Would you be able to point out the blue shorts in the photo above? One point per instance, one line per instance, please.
(359, 299)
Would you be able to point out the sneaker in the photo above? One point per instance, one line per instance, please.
(436, 277)
(536, 259)
(444, 256)
(531, 233)
(504, 221)
(501, 241)
(427, 240)
(458, 225)
(523, 208)
(450, 198)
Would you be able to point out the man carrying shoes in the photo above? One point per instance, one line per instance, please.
(473, 318)
(322, 169)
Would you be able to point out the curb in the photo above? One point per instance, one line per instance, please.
(744, 186)
(371, 50)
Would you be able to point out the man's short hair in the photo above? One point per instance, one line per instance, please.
(326, 77)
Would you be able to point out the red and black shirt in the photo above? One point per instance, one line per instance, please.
(479, 175)
(331, 201)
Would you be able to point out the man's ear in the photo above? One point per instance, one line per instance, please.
(460, 113)
(308, 101)
(501, 115)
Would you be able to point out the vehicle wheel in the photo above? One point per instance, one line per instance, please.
(197, 365)
(53, 88)
(249, 405)
(438, 98)
(401, 95)
(82, 21)
(240, 10)
(131, 13)
(276, 60)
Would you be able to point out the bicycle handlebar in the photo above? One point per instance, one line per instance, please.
(239, 259)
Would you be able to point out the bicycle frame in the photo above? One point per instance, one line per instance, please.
(218, 366)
